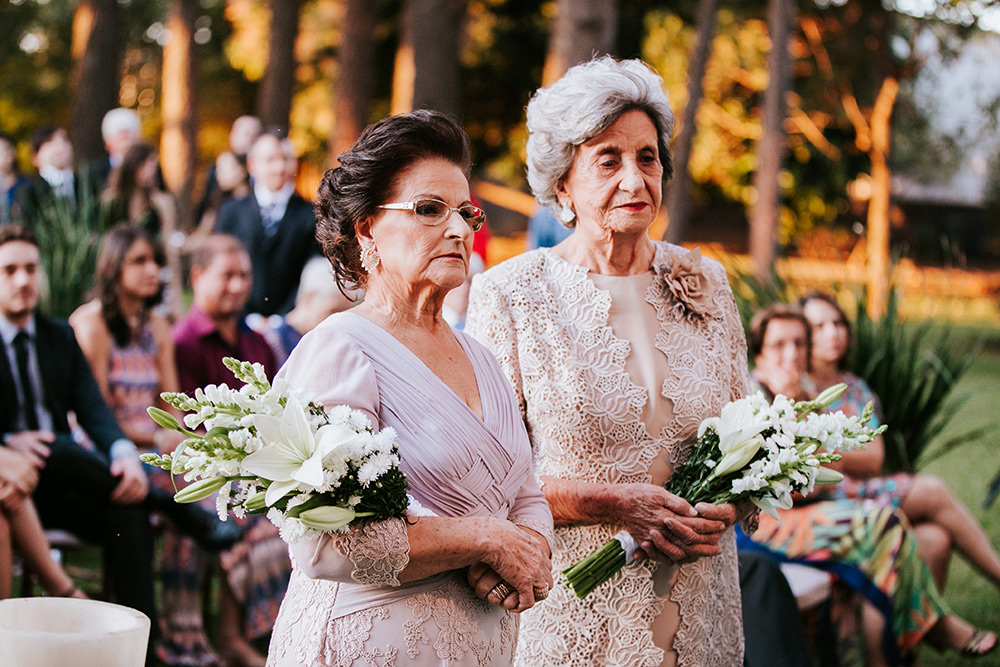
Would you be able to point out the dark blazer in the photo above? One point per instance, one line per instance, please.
(32, 197)
(278, 259)
(67, 385)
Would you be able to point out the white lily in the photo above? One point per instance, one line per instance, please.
(771, 504)
(292, 454)
(327, 518)
(739, 428)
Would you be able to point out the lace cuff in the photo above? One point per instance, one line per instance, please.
(379, 550)
(541, 527)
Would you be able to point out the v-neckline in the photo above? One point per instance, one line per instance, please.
(428, 371)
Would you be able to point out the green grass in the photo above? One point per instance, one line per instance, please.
(968, 471)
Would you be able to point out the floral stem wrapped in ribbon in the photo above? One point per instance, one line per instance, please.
(267, 449)
(752, 451)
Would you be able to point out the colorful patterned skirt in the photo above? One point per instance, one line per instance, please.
(870, 547)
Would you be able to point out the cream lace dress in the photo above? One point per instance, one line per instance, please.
(345, 605)
(613, 375)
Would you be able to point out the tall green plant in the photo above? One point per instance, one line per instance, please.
(68, 232)
(913, 369)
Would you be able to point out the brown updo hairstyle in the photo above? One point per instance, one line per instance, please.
(368, 175)
(842, 363)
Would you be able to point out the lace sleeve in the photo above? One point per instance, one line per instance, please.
(373, 554)
(489, 321)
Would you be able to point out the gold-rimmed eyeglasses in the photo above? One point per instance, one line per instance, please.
(434, 211)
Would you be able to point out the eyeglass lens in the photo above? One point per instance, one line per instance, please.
(432, 211)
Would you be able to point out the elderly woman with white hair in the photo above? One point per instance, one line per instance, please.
(617, 348)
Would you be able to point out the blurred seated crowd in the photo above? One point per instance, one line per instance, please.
(74, 395)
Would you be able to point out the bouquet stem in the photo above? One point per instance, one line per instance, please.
(596, 568)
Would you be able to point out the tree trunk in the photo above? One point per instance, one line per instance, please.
(353, 95)
(274, 101)
(178, 143)
(773, 141)
(96, 74)
(582, 29)
(427, 71)
(679, 191)
(878, 205)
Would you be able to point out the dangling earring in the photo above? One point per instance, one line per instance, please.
(369, 258)
(566, 215)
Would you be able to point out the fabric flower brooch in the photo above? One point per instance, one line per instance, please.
(689, 285)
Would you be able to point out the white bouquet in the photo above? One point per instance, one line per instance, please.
(268, 449)
(754, 450)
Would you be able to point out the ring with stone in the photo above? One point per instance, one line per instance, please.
(502, 590)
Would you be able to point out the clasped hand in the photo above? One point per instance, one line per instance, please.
(521, 559)
(667, 528)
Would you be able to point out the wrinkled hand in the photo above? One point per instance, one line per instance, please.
(33, 444)
(665, 526)
(133, 484)
(695, 538)
(520, 558)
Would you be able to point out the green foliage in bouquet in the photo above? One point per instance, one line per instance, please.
(68, 233)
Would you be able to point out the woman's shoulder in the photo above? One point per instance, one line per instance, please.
(515, 268)
(87, 319)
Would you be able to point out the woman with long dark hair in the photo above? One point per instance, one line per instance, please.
(130, 349)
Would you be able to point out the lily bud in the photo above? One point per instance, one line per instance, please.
(163, 418)
(200, 490)
(256, 502)
(328, 518)
(829, 395)
(827, 476)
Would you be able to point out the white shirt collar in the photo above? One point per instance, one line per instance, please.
(56, 177)
(277, 199)
(8, 330)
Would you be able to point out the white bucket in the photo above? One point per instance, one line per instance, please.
(64, 632)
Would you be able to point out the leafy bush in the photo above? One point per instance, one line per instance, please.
(68, 233)
(912, 368)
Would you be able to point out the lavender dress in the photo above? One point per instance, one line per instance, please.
(345, 605)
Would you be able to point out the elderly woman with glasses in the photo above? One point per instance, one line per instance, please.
(617, 348)
(396, 218)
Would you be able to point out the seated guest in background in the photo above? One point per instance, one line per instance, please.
(131, 352)
(52, 155)
(11, 177)
(941, 522)
(318, 297)
(96, 495)
(120, 129)
(276, 226)
(133, 196)
(257, 569)
(231, 180)
(545, 230)
(21, 529)
(867, 543)
(243, 132)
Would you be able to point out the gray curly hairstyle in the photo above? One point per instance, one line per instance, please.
(587, 100)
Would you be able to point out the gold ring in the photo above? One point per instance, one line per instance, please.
(541, 592)
(502, 590)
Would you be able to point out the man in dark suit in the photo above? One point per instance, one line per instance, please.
(275, 224)
(56, 183)
(43, 377)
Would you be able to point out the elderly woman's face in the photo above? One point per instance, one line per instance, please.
(616, 179)
(415, 255)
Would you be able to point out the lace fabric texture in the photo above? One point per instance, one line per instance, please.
(444, 627)
(547, 324)
(378, 550)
